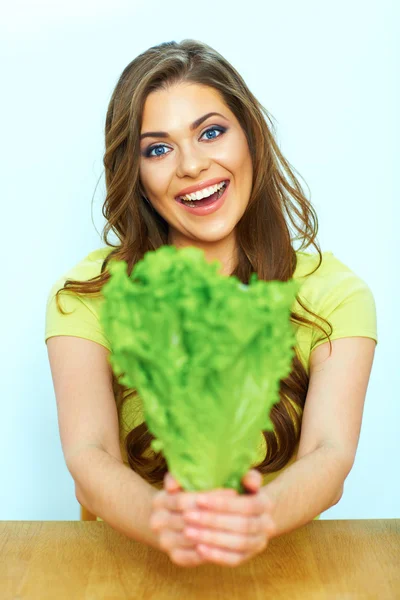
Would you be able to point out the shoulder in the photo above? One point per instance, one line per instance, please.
(86, 268)
(81, 316)
(336, 292)
(308, 265)
(90, 265)
(331, 279)
(98, 256)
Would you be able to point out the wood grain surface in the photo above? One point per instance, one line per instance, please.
(75, 560)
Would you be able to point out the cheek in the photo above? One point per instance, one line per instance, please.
(237, 157)
(246, 170)
(155, 182)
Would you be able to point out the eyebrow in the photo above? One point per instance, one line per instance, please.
(194, 125)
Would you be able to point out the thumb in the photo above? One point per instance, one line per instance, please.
(171, 485)
(252, 480)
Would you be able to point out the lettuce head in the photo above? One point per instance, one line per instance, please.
(206, 354)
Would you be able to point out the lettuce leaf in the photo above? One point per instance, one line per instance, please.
(205, 353)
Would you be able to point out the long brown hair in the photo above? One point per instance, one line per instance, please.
(263, 234)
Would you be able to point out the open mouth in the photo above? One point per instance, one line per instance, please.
(207, 200)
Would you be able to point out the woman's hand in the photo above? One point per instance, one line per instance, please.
(170, 523)
(231, 530)
(221, 525)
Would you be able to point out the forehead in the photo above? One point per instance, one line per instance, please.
(180, 103)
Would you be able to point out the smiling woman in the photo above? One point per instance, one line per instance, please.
(200, 151)
(180, 124)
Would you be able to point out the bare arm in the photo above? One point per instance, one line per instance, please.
(111, 490)
(329, 433)
(89, 431)
(306, 488)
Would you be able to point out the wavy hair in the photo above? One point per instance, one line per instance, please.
(264, 235)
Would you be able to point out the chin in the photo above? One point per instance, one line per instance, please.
(214, 236)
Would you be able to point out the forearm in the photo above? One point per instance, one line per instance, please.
(111, 490)
(306, 488)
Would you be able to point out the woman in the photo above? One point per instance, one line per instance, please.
(181, 119)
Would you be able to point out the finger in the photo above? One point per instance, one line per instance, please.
(222, 492)
(177, 520)
(186, 557)
(187, 500)
(171, 485)
(245, 524)
(245, 505)
(252, 480)
(161, 519)
(168, 540)
(222, 556)
(237, 542)
(176, 501)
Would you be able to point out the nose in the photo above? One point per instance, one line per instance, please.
(192, 160)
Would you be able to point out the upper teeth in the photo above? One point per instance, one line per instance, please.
(204, 192)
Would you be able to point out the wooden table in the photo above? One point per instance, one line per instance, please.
(74, 560)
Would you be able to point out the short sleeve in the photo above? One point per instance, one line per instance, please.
(349, 306)
(81, 318)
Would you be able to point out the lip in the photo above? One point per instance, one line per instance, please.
(201, 185)
(203, 211)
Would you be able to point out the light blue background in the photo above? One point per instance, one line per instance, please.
(325, 71)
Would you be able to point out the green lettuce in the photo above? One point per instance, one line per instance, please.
(205, 353)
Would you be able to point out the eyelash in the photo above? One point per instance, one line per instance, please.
(151, 148)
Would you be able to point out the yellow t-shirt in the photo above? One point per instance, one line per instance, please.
(334, 292)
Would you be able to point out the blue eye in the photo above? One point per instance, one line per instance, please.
(149, 150)
(220, 129)
(159, 146)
